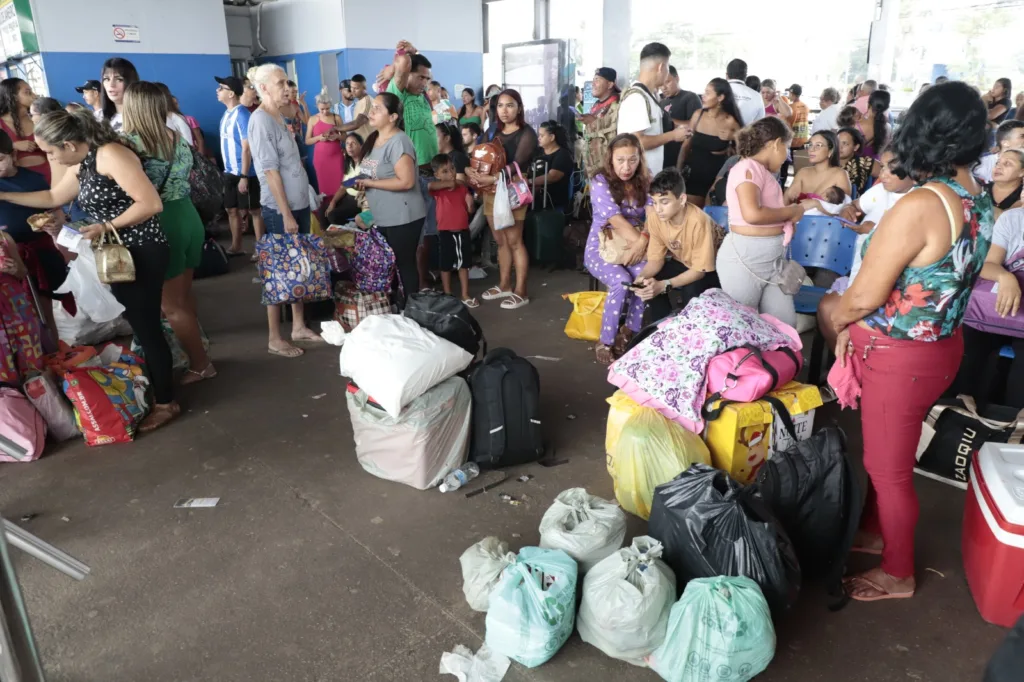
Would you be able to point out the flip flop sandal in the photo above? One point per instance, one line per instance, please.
(291, 352)
(866, 550)
(235, 254)
(194, 377)
(495, 293)
(316, 338)
(514, 302)
(604, 354)
(159, 416)
(883, 593)
(471, 303)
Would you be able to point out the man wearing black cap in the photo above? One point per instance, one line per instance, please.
(241, 186)
(90, 92)
(599, 128)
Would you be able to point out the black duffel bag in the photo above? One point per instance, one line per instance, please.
(710, 525)
(813, 491)
(214, 260)
(449, 318)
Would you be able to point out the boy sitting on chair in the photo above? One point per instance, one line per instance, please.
(681, 252)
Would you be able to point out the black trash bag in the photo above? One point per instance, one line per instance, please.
(710, 525)
(1007, 663)
(812, 490)
(449, 318)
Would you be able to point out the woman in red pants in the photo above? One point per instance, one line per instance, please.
(900, 320)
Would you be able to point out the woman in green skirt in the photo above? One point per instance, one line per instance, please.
(167, 160)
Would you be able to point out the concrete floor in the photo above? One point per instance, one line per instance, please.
(310, 569)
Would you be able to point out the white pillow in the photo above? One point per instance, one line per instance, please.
(395, 360)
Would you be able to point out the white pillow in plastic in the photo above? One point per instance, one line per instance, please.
(395, 360)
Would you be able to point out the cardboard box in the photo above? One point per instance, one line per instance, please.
(746, 435)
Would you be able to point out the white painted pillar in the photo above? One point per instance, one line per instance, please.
(615, 38)
(885, 32)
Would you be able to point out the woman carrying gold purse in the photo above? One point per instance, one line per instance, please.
(107, 178)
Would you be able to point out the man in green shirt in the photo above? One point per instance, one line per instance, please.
(411, 78)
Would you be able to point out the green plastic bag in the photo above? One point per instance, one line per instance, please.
(650, 451)
(719, 630)
(533, 609)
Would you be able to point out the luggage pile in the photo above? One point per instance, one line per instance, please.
(426, 395)
(101, 394)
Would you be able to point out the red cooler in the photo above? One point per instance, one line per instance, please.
(993, 533)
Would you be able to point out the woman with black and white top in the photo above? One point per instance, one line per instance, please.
(111, 186)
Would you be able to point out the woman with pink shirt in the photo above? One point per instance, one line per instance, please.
(758, 221)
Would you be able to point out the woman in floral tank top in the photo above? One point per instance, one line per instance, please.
(900, 320)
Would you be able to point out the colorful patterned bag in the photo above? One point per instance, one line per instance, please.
(109, 401)
(294, 268)
(352, 306)
(372, 262)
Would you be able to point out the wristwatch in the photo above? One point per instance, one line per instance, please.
(668, 285)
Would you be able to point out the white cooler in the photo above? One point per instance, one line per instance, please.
(993, 532)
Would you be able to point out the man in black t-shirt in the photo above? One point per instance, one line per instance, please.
(680, 105)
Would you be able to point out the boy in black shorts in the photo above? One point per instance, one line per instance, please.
(453, 204)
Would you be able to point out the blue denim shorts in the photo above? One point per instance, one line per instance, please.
(275, 221)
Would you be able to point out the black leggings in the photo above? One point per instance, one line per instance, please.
(403, 240)
(660, 307)
(345, 211)
(141, 301)
(976, 377)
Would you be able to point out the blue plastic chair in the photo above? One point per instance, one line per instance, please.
(820, 242)
(720, 214)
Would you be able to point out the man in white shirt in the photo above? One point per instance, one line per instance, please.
(90, 92)
(828, 117)
(639, 112)
(749, 102)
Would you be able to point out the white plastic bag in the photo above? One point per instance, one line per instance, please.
(425, 443)
(395, 360)
(502, 207)
(482, 565)
(588, 528)
(79, 330)
(92, 297)
(483, 666)
(332, 332)
(45, 392)
(626, 602)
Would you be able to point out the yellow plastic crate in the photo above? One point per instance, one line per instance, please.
(745, 436)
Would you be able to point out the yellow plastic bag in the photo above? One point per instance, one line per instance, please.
(314, 226)
(651, 450)
(620, 408)
(585, 321)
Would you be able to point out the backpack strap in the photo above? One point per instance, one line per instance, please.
(833, 580)
(783, 413)
(492, 397)
(642, 89)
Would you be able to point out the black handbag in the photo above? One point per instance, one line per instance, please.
(953, 432)
(207, 185)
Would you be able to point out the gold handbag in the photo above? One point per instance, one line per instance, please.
(611, 246)
(114, 264)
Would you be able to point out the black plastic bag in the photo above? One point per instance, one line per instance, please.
(448, 317)
(710, 525)
(813, 491)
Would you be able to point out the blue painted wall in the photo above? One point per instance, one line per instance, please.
(189, 76)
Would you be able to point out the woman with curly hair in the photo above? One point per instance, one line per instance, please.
(899, 322)
(619, 195)
(758, 219)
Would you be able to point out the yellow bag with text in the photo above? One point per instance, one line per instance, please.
(651, 450)
(585, 321)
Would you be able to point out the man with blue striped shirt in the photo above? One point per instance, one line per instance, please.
(241, 186)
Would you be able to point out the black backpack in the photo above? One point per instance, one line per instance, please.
(207, 185)
(506, 411)
(214, 259)
(814, 492)
(449, 318)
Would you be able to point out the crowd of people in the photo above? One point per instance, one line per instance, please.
(927, 193)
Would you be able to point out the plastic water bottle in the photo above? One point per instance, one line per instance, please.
(460, 477)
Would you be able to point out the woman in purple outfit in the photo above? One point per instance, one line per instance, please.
(619, 198)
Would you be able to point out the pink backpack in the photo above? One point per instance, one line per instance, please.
(22, 429)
